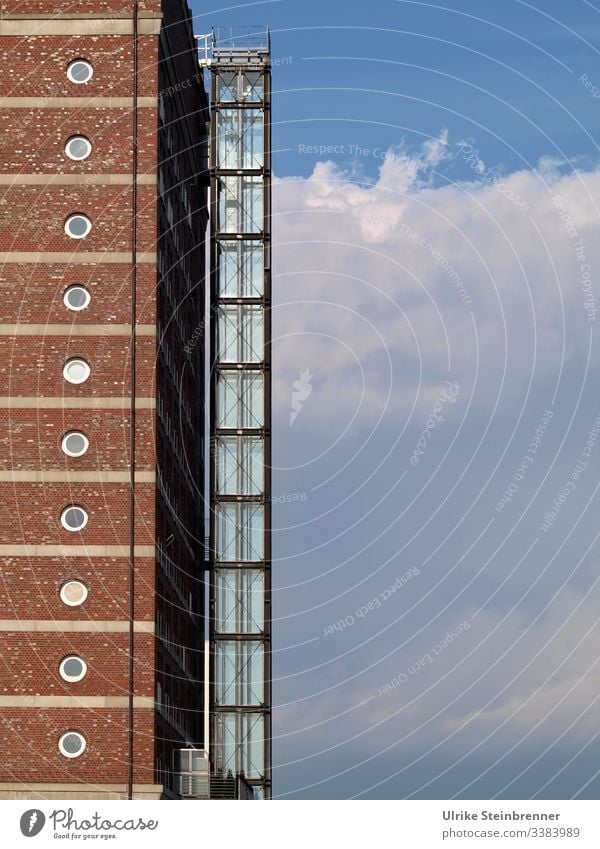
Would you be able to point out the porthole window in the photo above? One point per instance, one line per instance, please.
(74, 518)
(80, 71)
(75, 443)
(76, 371)
(78, 148)
(76, 298)
(72, 744)
(77, 226)
(73, 593)
(72, 668)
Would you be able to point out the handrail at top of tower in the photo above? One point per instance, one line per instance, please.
(229, 40)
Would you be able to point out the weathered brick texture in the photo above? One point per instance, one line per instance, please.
(102, 8)
(30, 513)
(36, 66)
(33, 218)
(32, 141)
(31, 587)
(31, 439)
(34, 365)
(30, 664)
(29, 746)
(33, 294)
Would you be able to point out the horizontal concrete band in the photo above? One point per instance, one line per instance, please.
(84, 626)
(63, 476)
(69, 27)
(26, 790)
(75, 329)
(76, 179)
(106, 257)
(75, 701)
(119, 402)
(75, 102)
(75, 551)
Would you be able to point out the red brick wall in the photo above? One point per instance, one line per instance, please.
(32, 141)
(30, 664)
(31, 587)
(34, 293)
(31, 439)
(32, 218)
(36, 66)
(33, 365)
(29, 746)
(77, 7)
(30, 513)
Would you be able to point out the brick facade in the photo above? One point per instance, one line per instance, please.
(39, 188)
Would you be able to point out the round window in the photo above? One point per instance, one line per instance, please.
(76, 371)
(73, 593)
(78, 148)
(73, 668)
(78, 226)
(75, 443)
(72, 744)
(80, 71)
(76, 298)
(74, 518)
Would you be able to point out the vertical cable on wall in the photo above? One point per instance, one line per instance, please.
(132, 424)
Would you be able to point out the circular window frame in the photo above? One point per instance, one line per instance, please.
(72, 679)
(70, 362)
(63, 589)
(61, 745)
(68, 527)
(66, 298)
(63, 443)
(85, 139)
(75, 62)
(83, 217)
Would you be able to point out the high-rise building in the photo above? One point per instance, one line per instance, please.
(109, 427)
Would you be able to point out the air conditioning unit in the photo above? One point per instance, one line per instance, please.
(192, 778)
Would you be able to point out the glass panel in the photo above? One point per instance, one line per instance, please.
(240, 742)
(239, 673)
(251, 338)
(241, 269)
(252, 86)
(240, 532)
(248, 87)
(252, 199)
(228, 270)
(226, 86)
(240, 602)
(240, 334)
(241, 204)
(228, 334)
(240, 399)
(252, 138)
(240, 465)
(252, 400)
(240, 138)
(228, 139)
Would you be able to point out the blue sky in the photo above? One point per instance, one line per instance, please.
(505, 74)
(435, 311)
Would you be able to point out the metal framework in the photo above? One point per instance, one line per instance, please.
(240, 463)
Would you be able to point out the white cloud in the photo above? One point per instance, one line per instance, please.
(380, 286)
